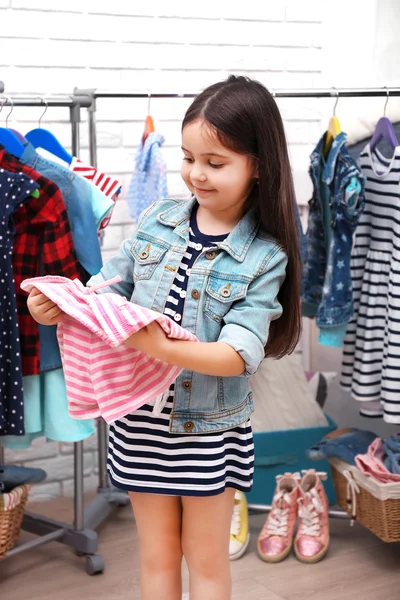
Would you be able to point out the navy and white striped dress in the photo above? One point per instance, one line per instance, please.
(145, 457)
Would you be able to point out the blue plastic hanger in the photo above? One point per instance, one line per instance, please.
(42, 138)
(384, 130)
(8, 138)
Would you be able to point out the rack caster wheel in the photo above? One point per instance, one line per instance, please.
(94, 564)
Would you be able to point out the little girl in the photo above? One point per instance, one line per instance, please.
(225, 265)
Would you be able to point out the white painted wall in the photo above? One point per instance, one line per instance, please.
(49, 47)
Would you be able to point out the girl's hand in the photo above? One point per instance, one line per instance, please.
(42, 309)
(151, 340)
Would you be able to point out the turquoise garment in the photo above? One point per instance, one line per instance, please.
(102, 205)
(46, 413)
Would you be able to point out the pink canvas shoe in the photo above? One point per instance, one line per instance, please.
(312, 538)
(275, 540)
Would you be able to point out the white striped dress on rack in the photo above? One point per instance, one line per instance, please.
(145, 457)
(371, 357)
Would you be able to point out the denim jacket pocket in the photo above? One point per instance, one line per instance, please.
(221, 292)
(147, 255)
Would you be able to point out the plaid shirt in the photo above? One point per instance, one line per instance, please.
(42, 245)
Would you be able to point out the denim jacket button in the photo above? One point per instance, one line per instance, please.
(187, 385)
(226, 292)
(189, 425)
(195, 294)
(210, 255)
(144, 254)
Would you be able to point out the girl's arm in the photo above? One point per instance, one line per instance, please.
(215, 358)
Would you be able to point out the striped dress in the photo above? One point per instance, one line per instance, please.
(371, 357)
(145, 457)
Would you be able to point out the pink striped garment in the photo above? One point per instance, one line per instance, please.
(105, 378)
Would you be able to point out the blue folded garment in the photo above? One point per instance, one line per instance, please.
(12, 476)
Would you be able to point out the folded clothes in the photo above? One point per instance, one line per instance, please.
(345, 446)
(12, 476)
(392, 451)
(372, 463)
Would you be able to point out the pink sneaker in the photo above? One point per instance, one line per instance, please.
(275, 540)
(312, 538)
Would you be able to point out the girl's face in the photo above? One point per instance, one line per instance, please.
(220, 179)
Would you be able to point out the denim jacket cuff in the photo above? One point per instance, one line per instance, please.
(246, 344)
(332, 336)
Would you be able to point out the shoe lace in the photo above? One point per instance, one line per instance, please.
(310, 509)
(278, 519)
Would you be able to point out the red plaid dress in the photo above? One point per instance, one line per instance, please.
(43, 245)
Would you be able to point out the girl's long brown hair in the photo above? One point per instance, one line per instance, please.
(246, 119)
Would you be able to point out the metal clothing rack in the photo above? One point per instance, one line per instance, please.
(80, 535)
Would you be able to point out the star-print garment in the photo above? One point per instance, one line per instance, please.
(371, 360)
(145, 457)
(14, 190)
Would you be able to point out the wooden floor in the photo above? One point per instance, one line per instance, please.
(358, 567)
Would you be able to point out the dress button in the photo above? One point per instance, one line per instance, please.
(195, 294)
(189, 425)
(187, 385)
(210, 255)
(198, 247)
(182, 294)
(188, 271)
(177, 317)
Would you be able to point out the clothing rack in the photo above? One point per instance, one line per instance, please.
(80, 535)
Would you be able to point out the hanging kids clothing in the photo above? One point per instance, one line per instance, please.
(149, 180)
(335, 209)
(371, 368)
(15, 189)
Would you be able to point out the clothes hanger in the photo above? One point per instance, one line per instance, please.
(7, 137)
(333, 128)
(149, 123)
(384, 130)
(43, 138)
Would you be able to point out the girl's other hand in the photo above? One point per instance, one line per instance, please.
(42, 309)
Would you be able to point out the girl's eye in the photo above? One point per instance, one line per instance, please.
(188, 159)
(215, 166)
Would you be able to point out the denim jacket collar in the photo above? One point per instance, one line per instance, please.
(330, 162)
(236, 244)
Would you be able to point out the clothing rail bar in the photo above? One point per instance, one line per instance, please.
(1, 87)
(82, 100)
(290, 93)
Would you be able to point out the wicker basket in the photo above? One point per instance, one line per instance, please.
(373, 504)
(12, 507)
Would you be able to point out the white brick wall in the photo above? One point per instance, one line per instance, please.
(51, 47)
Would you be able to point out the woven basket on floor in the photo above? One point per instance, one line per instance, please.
(375, 505)
(12, 507)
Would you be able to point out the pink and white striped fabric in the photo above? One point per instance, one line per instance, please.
(105, 378)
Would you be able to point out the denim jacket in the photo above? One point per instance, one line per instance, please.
(231, 297)
(334, 211)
